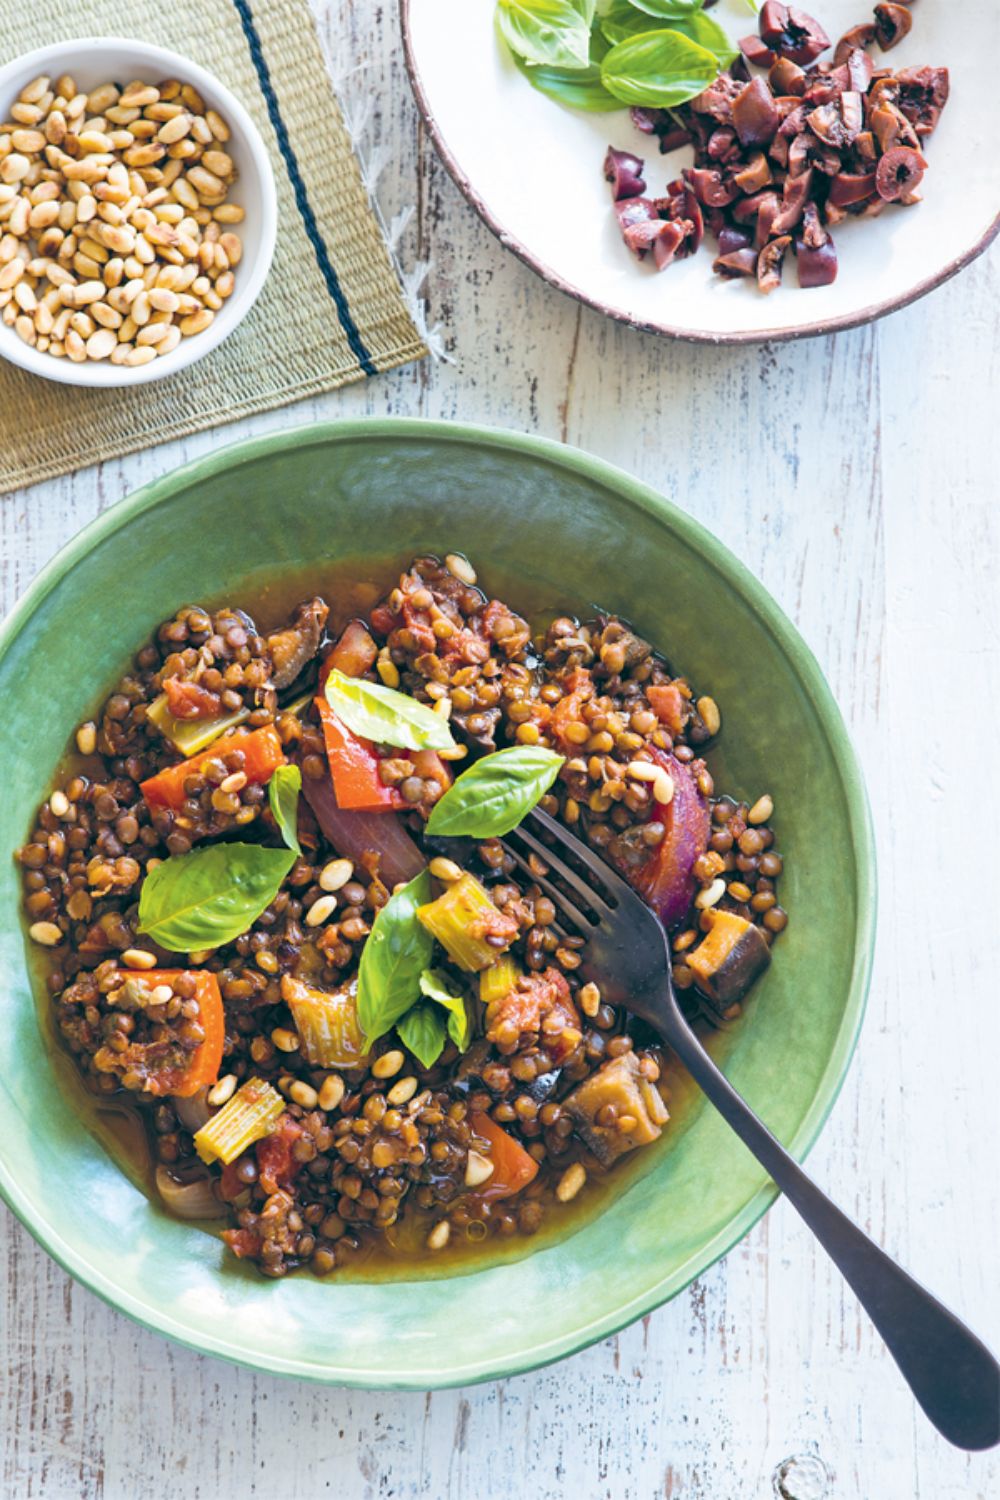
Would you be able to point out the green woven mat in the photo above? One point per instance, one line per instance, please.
(310, 331)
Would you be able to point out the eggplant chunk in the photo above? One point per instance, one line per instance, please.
(298, 643)
(618, 1083)
(729, 958)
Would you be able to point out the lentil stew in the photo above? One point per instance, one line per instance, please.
(492, 1088)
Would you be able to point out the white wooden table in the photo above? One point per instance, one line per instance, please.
(856, 477)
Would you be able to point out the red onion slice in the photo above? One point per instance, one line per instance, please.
(355, 834)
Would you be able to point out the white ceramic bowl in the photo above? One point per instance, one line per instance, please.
(95, 60)
(532, 170)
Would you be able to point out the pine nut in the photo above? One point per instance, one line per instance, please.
(388, 1065)
(321, 910)
(59, 804)
(439, 1235)
(46, 933)
(643, 770)
(101, 343)
(238, 780)
(590, 999)
(387, 669)
(403, 1091)
(711, 895)
(762, 809)
(571, 1182)
(86, 738)
(461, 568)
(331, 1092)
(708, 710)
(478, 1168)
(445, 869)
(161, 994)
(223, 1090)
(335, 874)
(304, 1094)
(663, 788)
(285, 1041)
(138, 958)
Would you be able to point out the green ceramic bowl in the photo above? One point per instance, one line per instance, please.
(585, 533)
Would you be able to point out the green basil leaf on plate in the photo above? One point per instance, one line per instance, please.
(376, 712)
(422, 1031)
(435, 986)
(579, 88)
(555, 33)
(666, 9)
(210, 896)
(397, 952)
(494, 794)
(623, 22)
(283, 795)
(659, 69)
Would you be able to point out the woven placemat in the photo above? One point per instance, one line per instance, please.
(332, 310)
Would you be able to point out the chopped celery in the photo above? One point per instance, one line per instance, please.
(250, 1114)
(327, 1022)
(189, 736)
(463, 921)
(498, 980)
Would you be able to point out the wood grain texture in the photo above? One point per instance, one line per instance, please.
(855, 477)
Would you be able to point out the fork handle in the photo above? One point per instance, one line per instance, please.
(952, 1374)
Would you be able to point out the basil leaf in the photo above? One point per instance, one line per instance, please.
(379, 713)
(210, 896)
(667, 8)
(658, 68)
(579, 88)
(397, 952)
(492, 796)
(622, 22)
(283, 794)
(422, 1031)
(552, 32)
(434, 985)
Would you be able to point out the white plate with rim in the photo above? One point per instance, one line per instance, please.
(532, 169)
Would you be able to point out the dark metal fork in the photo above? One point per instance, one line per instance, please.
(953, 1376)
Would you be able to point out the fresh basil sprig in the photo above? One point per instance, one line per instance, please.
(422, 1032)
(210, 896)
(555, 33)
(434, 986)
(580, 88)
(666, 9)
(492, 796)
(622, 22)
(427, 1025)
(397, 952)
(659, 69)
(375, 712)
(283, 795)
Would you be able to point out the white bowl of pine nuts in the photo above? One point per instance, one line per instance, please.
(137, 212)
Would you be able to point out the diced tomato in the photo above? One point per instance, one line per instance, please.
(189, 700)
(513, 1168)
(354, 767)
(231, 1185)
(667, 702)
(202, 1067)
(262, 755)
(242, 1242)
(276, 1165)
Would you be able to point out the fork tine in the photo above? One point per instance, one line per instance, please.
(576, 883)
(611, 888)
(571, 912)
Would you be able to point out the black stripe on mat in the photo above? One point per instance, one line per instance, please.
(323, 260)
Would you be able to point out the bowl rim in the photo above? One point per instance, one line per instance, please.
(781, 335)
(248, 286)
(633, 492)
